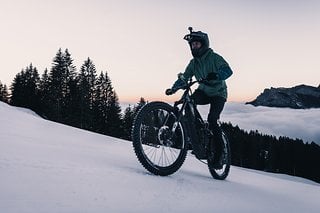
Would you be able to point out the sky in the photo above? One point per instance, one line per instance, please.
(139, 43)
(50, 167)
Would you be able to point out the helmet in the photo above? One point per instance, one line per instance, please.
(198, 36)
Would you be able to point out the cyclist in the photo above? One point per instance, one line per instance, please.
(206, 64)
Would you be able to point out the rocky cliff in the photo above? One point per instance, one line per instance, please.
(298, 97)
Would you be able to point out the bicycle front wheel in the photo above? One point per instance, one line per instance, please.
(160, 150)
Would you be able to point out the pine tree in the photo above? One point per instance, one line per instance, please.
(61, 80)
(71, 69)
(44, 94)
(127, 121)
(33, 87)
(114, 121)
(56, 86)
(71, 96)
(3, 93)
(25, 89)
(101, 104)
(108, 108)
(87, 88)
(17, 91)
(128, 117)
(4, 96)
(139, 105)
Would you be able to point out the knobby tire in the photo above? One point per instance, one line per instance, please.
(147, 145)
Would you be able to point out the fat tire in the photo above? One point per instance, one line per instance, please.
(224, 172)
(138, 146)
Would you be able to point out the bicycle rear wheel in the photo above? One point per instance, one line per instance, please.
(158, 149)
(222, 173)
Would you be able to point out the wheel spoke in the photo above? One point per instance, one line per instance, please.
(159, 149)
(161, 156)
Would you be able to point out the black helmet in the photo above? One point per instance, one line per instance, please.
(198, 36)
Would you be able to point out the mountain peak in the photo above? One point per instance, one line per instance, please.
(297, 97)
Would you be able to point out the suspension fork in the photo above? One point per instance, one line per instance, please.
(178, 116)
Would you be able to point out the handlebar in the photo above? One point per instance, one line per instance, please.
(189, 84)
(210, 76)
(206, 81)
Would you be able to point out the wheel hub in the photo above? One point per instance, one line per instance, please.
(165, 135)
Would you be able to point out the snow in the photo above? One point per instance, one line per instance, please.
(50, 167)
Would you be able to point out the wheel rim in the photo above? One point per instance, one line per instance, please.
(158, 148)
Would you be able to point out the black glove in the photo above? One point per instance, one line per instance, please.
(169, 91)
(206, 80)
(211, 76)
(179, 84)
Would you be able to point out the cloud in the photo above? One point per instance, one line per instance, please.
(293, 123)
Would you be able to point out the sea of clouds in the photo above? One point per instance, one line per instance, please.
(294, 123)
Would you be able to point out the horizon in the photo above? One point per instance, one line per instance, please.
(140, 45)
(172, 98)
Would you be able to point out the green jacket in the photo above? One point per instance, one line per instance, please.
(201, 67)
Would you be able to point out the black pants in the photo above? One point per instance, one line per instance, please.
(216, 107)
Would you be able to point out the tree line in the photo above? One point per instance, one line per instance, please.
(87, 100)
(268, 153)
(84, 99)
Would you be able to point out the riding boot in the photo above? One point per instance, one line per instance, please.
(198, 149)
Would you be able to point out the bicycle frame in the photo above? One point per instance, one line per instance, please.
(188, 106)
(187, 102)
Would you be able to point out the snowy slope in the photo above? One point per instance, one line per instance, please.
(49, 167)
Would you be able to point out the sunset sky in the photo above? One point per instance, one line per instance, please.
(139, 42)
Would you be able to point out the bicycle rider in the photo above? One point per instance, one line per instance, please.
(214, 92)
